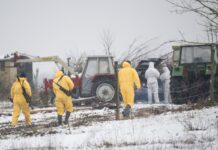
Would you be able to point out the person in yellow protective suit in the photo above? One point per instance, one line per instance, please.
(63, 101)
(128, 79)
(19, 101)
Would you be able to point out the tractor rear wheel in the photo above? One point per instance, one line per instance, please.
(104, 90)
(178, 90)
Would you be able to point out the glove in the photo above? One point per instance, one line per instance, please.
(135, 87)
(10, 99)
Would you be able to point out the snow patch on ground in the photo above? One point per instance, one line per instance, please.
(195, 129)
(5, 104)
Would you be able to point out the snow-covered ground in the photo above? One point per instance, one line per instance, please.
(4, 105)
(194, 129)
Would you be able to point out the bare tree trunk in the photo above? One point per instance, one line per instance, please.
(107, 42)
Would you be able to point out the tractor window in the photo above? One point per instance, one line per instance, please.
(103, 65)
(196, 54)
(176, 54)
(111, 66)
(91, 68)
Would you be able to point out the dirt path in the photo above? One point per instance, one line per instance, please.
(49, 126)
(42, 128)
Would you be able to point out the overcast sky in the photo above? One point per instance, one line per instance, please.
(55, 27)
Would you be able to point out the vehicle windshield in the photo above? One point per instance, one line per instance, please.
(196, 54)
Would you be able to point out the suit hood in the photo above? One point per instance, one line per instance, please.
(125, 64)
(165, 69)
(151, 65)
(21, 79)
(59, 74)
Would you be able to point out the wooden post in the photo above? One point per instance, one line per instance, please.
(117, 91)
(68, 64)
(213, 71)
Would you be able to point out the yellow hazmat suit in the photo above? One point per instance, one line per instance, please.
(128, 78)
(19, 102)
(62, 100)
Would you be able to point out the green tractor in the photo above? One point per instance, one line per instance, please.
(191, 72)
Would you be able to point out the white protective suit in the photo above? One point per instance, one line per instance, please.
(165, 78)
(152, 74)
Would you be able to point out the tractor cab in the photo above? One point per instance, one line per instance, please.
(191, 72)
(98, 78)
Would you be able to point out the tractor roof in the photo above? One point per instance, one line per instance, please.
(144, 63)
(195, 44)
(99, 56)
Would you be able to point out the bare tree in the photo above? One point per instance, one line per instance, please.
(207, 9)
(142, 50)
(135, 49)
(107, 42)
(77, 62)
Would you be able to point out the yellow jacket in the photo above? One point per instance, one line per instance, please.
(128, 76)
(65, 82)
(16, 90)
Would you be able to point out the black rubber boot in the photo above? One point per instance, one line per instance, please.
(67, 117)
(126, 111)
(59, 120)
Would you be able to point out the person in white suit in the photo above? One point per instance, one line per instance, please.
(165, 78)
(152, 74)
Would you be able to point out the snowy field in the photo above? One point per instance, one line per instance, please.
(154, 127)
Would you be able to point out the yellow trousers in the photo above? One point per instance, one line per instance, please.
(128, 96)
(18, 106)
(63, 104)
